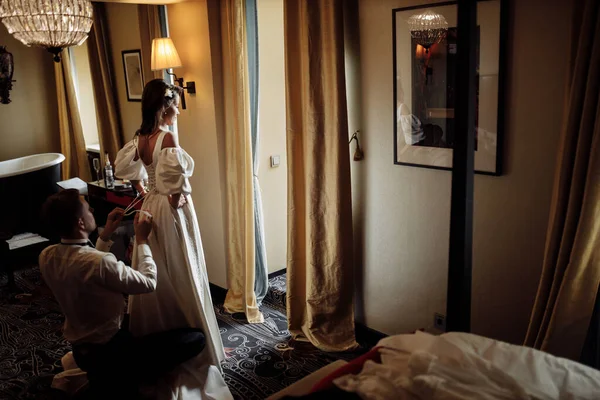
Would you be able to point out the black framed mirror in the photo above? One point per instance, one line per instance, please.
(425, 64)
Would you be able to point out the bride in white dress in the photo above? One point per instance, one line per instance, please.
(182, 297)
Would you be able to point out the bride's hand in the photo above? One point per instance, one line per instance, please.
(177, 200)
(182, 201)
(139, 187)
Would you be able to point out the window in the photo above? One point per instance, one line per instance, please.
(85, 96)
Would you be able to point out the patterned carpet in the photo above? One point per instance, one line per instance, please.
(261, 358)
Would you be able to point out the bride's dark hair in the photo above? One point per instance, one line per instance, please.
(158, 96)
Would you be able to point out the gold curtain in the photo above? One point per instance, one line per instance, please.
(110, 133)
(571, 272)
(149, 20)
(72, 143)
(319, 271)
(238, 142)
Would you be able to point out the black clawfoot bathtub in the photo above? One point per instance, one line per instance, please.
(25, 183)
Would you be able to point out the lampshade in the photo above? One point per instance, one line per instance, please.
(164, 55)
(52, 24)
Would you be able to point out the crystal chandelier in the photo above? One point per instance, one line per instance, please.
(427, 28)
(51, 24)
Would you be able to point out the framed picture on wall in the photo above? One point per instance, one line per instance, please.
(134, 77)
(425, 65)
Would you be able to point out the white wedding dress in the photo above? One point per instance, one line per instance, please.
(182, 297)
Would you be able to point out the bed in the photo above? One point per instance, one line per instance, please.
(453, 366)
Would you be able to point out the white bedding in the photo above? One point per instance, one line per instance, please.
(465, 366)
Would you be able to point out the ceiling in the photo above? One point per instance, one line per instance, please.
(157, 2)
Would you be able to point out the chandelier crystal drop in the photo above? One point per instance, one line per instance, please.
(51, 24)
(427, 28)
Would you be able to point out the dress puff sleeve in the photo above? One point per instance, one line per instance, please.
(173, 170)
(126, 166)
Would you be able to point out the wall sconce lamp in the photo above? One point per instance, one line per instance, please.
(423, 55)
(7, 67)
(164, 56)
(358, 153)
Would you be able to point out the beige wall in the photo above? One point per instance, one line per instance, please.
(29, 124)
(273, 181)
(402, 213)
(198, 132)
(124, 33)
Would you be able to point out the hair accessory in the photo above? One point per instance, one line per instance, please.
(169, 93)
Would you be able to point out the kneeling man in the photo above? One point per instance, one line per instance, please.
(89, 283)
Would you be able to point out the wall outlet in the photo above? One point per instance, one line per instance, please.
(439, 322)
(275, 161)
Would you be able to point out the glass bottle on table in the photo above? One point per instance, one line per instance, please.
(109, 179)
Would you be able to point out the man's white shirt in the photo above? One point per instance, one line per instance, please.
(89, 284)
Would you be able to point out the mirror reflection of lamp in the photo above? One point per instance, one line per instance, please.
(165, 57)
(6, 75)
(423, 55)
(420, 52)
(428, 29)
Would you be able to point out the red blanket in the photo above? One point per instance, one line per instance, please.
(353, 367)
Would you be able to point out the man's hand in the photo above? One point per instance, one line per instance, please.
(142, 227)
(112, 223)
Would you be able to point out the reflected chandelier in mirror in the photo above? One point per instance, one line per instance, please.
(427, 28)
